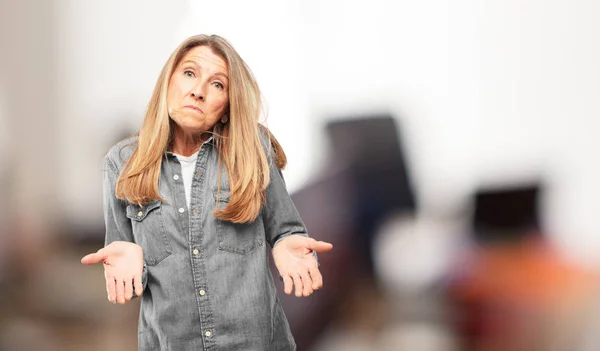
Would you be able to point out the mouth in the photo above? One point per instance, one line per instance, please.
(195, 108)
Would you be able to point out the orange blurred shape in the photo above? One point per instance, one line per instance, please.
(532, 273)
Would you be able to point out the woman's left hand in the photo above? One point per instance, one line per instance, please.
(297, 265)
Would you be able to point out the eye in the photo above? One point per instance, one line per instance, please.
(218, 85)
(189, 73)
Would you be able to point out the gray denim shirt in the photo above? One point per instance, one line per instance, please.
(207, 283)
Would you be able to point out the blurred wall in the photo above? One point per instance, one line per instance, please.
(29, 106)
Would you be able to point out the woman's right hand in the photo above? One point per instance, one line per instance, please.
(123, 264)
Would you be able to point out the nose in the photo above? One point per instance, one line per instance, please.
(197, 92)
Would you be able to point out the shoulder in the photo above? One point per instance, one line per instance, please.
(119, 154)
(264, 134)
(272, 147)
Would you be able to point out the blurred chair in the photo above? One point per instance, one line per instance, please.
(372, 149)
(365, 180)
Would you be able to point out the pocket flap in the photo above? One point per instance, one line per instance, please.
(138, 213)
(221, 196)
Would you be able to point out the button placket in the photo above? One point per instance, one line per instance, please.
(198, 267)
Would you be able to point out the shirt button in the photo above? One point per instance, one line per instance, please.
(140, 214)
(195, 251)
(181, 210)
(202, 292)
(208, 334)
(176, 177)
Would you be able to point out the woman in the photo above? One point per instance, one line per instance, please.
(189, 204)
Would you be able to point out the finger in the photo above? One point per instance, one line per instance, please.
(120, 291)
(137, 282)
(288, 284)
(298, 284)
(110, 289)
(306, 284)
(319, 246)
(128, 289)
(94, 258)
(317, 278)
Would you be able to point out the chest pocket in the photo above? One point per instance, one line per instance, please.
(237, 238)
(149, 231)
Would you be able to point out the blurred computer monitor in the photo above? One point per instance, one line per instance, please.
(506, 214)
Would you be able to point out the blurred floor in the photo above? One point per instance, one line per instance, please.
(62, 305)
(372, 321)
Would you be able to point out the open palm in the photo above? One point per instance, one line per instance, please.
(297, 265)
(123, 264)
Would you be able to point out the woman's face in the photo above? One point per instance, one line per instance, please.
(198, 96)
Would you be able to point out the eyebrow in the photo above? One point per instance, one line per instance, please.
(197, 65)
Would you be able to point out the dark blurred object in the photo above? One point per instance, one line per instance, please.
(365, 180)
(372, 150)
(506, 215)
(372, 146)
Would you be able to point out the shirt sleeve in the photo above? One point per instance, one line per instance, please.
(280, 216)
(118, 226)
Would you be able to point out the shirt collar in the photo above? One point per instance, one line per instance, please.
(208, 141)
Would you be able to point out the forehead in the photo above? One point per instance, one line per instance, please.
(204, 57)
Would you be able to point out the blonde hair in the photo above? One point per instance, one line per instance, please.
(238, 141)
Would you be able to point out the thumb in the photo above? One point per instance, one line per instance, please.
(94, 258)
(319, 246)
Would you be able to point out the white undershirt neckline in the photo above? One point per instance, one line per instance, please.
(188, 166)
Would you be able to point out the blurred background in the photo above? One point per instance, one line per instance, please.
(448, 150)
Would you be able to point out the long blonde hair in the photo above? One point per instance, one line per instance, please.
(238, 141)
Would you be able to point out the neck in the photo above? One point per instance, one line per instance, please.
(186, 144)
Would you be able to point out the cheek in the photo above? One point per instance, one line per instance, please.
(175, 92)
(170, 96)
(223, 103)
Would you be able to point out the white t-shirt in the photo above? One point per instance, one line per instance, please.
(188, 166)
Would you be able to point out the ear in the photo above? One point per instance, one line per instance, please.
(225, 118)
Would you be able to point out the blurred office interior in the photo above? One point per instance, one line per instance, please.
(446, 148)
